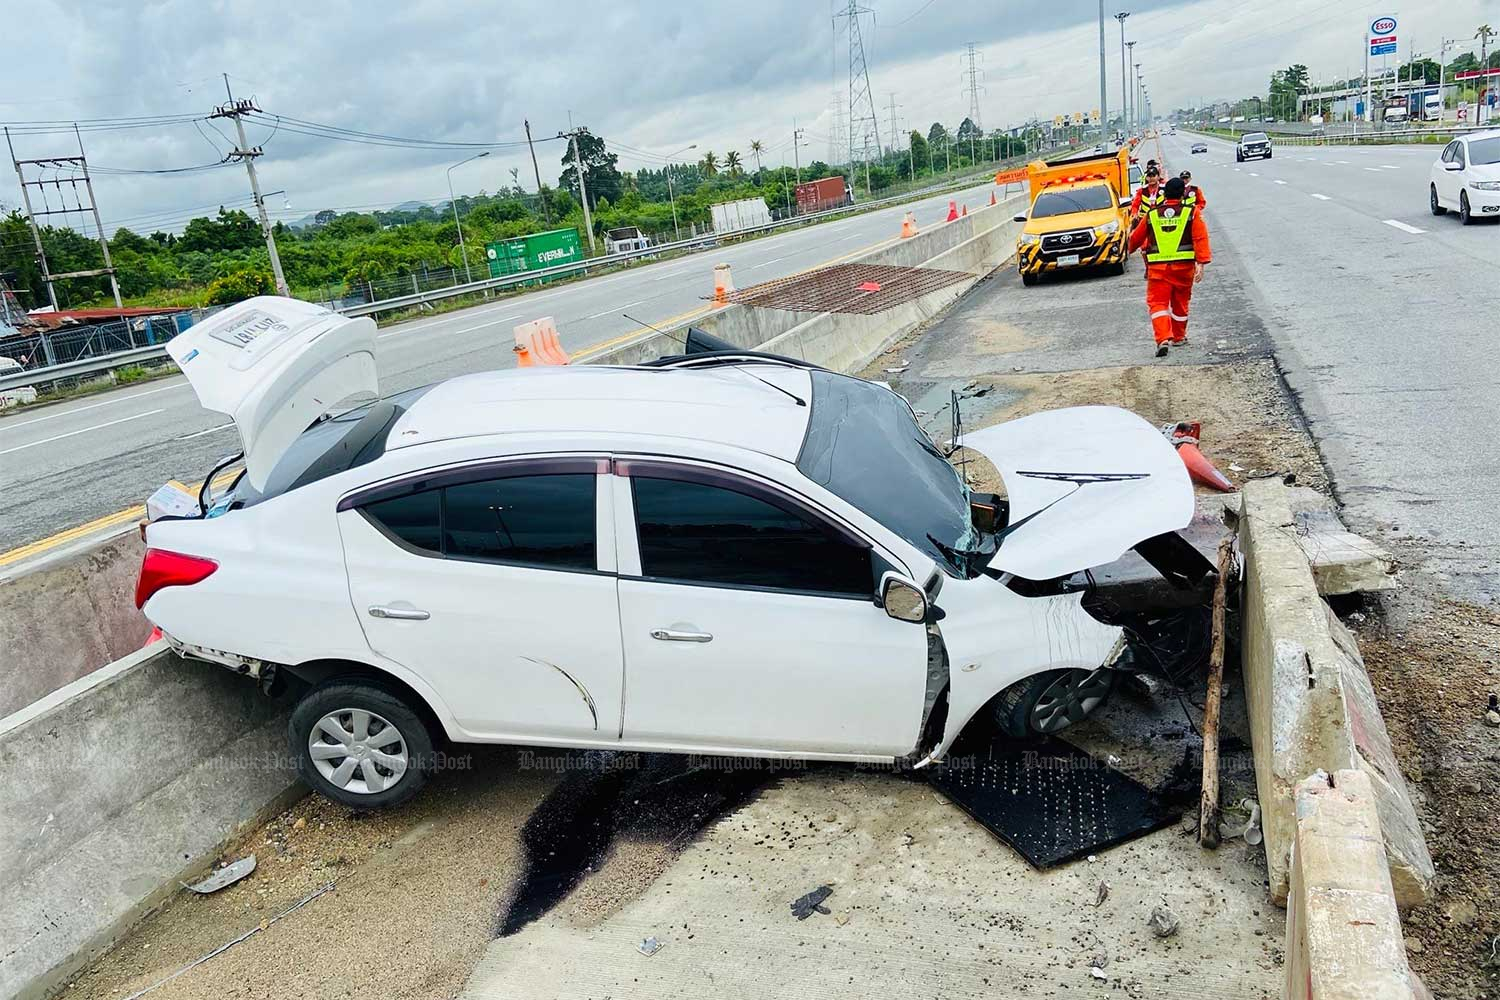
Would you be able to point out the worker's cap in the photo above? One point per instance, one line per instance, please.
(1151, 171)
(1175, 187)
(1186, 175)
(1150, 163)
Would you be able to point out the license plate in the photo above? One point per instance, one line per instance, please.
(1067, 261)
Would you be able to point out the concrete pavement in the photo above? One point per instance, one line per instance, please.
(1382, 317)
(68, 464)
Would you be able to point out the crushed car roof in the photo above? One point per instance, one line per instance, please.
(729, 405)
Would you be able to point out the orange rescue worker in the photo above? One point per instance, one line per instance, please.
(1146, 195)
(1192, 193)
(1175, 242)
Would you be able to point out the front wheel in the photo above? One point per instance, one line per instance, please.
(1432, 201)
(359, 745)
(1463, 209)
(1049, 702)
(1028, 279)
(1268, 154)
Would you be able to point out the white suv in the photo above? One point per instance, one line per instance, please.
(718, 554)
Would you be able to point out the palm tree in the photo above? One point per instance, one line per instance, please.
(756, 147)
(709, 163)
(732, 163)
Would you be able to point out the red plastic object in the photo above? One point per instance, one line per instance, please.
(870, 286)
(162, 568)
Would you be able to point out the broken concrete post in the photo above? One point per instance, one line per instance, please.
(1343, 931)
(1342, 562)
(1311, 704)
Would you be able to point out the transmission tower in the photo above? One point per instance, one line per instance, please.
(972, 87)
(863, 124)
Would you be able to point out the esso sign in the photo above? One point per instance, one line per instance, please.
(1383, 26)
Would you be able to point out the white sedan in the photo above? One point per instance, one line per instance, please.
(729, 554)
(1466, 177)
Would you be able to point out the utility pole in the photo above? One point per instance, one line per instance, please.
(1484, 34)
(1139, 118)
(583, 191)
(541, 195)
(796, 152)
(1103, 88)
(244, 153)
(1124, 94)
(1443, 45)
(1129, 96)
(58, 164)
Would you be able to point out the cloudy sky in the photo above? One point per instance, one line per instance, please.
(651, 77)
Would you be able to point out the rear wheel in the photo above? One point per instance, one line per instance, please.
(1049, 702)
(1432, 200)
(359, 744)
(1463, 208)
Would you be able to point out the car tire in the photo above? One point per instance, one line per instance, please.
(1432, 201)
(1045, 704)
(1116, 270)
(1238, 158)
(349, 705)
(1464, 215)
(1028, 279)
(1268, 154)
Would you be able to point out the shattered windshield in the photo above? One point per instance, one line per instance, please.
(864, 445)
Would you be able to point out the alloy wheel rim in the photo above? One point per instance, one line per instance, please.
(1070, 699)
(358, 751)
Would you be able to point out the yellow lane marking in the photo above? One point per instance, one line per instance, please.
(98, 524)
(624, 337)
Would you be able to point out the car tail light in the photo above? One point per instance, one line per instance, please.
(161, 568)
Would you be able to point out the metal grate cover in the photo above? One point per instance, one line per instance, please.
(837, 288)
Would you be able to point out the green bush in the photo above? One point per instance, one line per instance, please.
(238, 286)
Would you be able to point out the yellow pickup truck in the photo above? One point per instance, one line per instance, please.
(1079, 215)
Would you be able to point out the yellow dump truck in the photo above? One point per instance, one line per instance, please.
(1078, 217)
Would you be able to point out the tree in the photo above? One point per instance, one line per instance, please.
(239, 286)
(1425, 70)
(600, 171)
(937, 135)
(755, 149)
(919, 154)
(732, 163)
(709, 164)
(324, 217)
(968, 131)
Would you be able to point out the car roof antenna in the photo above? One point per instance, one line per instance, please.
(785, 392)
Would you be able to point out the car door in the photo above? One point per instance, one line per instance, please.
(495, 583)
(1450, 177)
(749, 622)
(1440, 171)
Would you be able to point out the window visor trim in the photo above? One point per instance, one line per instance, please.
(430, 479)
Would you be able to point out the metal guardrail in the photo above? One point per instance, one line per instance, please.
(104, 363)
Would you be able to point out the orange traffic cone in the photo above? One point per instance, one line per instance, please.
(992, 197)
(723, 283)
(952, 211)
(1184, 436)
(965, 211)
(908, 227)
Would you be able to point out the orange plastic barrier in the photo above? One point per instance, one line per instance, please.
(537, 344)
(908, 227)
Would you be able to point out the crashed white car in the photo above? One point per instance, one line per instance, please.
(729, 554)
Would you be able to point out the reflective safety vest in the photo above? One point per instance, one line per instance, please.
(1171, 234)
(1149, 200)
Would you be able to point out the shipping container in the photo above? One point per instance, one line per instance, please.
(533, 252)
(821, 195)
(747, 213)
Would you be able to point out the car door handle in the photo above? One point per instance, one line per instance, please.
(400, 614)
(672, 635)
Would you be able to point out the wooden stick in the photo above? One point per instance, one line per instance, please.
(1208, 806)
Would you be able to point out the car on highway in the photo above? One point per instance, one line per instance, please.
(723, 553)
(1199, 147)
(1466, 177)
(1252, 145)
(1077, 219)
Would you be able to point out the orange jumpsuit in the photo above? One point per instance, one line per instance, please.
(1169, 285)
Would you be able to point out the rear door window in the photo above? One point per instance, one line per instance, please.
(697, 533)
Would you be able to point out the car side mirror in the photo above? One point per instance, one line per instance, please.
(902, 599)
(1126, 202)
(1018, 218)
(1450, 165)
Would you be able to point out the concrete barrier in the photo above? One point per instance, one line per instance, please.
(976, 243)
(1343, 930)
(114, 787)
(1312, 707)
(68, 616)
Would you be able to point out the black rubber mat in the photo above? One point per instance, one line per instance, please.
(1049, 800)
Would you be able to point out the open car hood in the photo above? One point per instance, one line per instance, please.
(274, 366)
(1084, 485)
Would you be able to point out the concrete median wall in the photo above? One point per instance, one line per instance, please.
(1312, 707)
(67, 617)
(114, 787)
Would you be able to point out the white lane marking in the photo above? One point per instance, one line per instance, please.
(467, 329)
(851, 236)
(768, 263)
(614, 310)
(1403, 226)
(1281, 182)
(85, 430)
(672, 274)
(7, 425)
(210, 430)
(1254, 174)
(1373, 170)
(1236, 169)
(1322, 197)
(1387, 166)
(1344, 162)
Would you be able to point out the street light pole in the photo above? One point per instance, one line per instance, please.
(670, 195)
(1103, 89)
(454, 203)
(1130, 97)
(1124, 99)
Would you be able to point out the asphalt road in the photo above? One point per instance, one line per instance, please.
(1383, 319)
(71, 463)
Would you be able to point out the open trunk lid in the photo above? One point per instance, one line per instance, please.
(273, 366)
(1084, 484)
